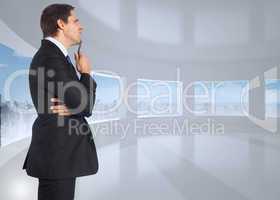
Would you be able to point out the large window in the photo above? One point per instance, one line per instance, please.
(17, 110)
(158, 98)
(225, 98)
(272, 98)
(108, 98)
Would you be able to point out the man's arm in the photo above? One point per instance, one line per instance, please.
(78, 96)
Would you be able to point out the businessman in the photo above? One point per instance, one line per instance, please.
(62, 147)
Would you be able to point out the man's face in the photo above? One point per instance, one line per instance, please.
(73, 29)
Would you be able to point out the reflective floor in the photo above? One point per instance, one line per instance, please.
(231, 166)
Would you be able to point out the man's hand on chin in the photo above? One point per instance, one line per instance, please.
(82, 63)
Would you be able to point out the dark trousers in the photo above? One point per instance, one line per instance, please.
(56, 189)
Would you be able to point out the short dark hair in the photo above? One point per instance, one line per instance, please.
(51, 14)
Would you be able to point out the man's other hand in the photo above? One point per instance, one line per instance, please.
(61, 109)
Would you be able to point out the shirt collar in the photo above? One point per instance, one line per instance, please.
(58, 44)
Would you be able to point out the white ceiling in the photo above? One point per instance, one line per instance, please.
(175, 30)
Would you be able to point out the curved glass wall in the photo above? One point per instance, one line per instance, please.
(108, 105)
(272, 98)
(157, 98)
(221, 98)
(17, 110)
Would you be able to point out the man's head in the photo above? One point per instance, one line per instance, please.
(60, 21)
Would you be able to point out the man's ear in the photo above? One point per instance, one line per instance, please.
(60, 24)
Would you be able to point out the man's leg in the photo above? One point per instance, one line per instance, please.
(56, 189)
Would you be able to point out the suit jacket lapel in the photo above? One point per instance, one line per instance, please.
(56, 51)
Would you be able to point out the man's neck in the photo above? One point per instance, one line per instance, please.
(62, 41)
(59, 44)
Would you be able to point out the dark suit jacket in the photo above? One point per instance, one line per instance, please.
(60, 150)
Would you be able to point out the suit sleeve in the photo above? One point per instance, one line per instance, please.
(78, 96)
